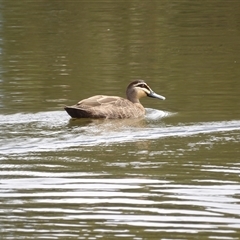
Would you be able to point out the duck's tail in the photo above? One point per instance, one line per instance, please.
(76, 112)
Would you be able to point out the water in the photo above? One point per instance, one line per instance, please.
(172, 175)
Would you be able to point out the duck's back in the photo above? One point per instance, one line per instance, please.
(101, 106)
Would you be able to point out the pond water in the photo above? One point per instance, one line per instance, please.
(172, 175)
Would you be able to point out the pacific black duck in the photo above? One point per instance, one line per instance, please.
(101, 106)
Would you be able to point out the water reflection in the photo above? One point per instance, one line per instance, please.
(114, 203)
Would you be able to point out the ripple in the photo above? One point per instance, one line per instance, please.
(67, 204)
(48, 131)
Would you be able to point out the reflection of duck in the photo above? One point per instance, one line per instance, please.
(101, 106)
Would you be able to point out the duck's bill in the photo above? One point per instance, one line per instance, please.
(155, 95)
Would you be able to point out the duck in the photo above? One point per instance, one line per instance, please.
(114, 107)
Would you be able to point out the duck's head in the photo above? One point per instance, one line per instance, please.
(139, 89)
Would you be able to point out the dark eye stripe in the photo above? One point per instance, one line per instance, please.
(142, 85)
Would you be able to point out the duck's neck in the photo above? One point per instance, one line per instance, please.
(132, 96)
(133, 99)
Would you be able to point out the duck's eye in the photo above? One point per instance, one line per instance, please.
(142, 86)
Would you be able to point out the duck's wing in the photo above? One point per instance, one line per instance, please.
(99, 101)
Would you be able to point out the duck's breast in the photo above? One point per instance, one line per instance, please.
(124, 108)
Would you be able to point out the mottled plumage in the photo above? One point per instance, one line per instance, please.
(101, 106)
